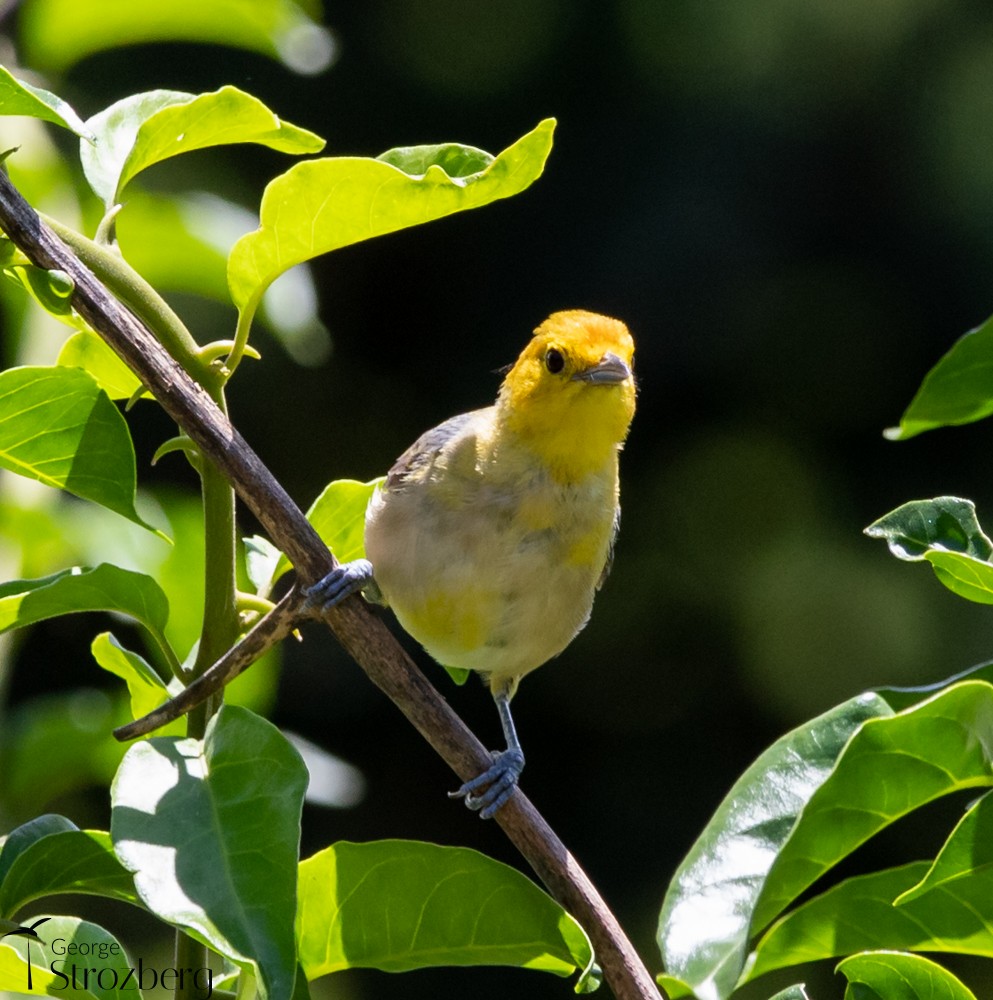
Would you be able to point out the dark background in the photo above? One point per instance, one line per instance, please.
(789, 204)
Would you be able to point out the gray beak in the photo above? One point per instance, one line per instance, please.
(609, 370)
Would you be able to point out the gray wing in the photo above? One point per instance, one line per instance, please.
(423, 452)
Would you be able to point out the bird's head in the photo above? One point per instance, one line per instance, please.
(571, 394)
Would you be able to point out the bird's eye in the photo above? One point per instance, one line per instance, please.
(554, 361)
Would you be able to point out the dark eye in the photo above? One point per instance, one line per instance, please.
(554, 361)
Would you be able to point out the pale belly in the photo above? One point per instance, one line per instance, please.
(491, 589)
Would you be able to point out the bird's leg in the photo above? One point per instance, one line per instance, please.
(343, 580)
(500, 779)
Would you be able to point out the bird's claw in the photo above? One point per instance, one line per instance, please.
(498, 781)
(342, 581)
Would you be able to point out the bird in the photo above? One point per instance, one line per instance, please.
(492, 533)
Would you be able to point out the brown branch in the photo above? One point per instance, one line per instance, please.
(273, 627)
(359, 631)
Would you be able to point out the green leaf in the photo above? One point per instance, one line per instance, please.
(322, 205)
(895, 976)
(146, 688)
(795, 992)
(102, 588)
(967, 852)
(24, 836)
(70, 861)
(946, 524)
(890, 767)
(957, 390)
(859, 915)
(181, 243)
(20, 98)
(145, 129)
(706, 919)
(963, 575)
(56, 935)
(946, 533)
(211, 831)
(338, 516)
(58, 426)
(397, 905)
(90, 352)
(56, 34)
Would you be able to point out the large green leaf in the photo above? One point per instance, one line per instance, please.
(144, 129)
(957, 390)
(890, 767)
(321, 205)
(65, 861)
(338, 515)
(58, 33)
(20, 98)
(966, 853)
(58, 426)
(946, 533)
(807, 802)
(859, 915)
(211, 831)
(102, 588)
(889, 975)
(397, 905)
(52, 963)
(706, 919)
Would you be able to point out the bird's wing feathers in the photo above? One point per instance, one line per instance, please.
(425, 450)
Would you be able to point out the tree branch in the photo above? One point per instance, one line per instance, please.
(363, 636)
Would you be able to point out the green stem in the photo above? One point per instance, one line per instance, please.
(218, 633)
(136, 293)
(245, 316)
(190, 954)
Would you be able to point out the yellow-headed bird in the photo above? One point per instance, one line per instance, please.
(494, 530)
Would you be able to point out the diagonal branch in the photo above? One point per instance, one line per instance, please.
(363, 636)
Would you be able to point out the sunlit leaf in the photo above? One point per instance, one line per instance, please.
(945, 523)
(144, 129)
(966, 853)
(706, 919)
(58, 426)
(321, 205)
(210, 830)
(88, 351)
(58, 33)
(397, 905)
(895, 976)
(146, 688)
(957, 390)
(890, 767)
(102, 588)
(858, 915)
(946, 533)
(338, 515)
(20, 98)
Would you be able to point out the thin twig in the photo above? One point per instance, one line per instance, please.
(273, 627)
(365, 638)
